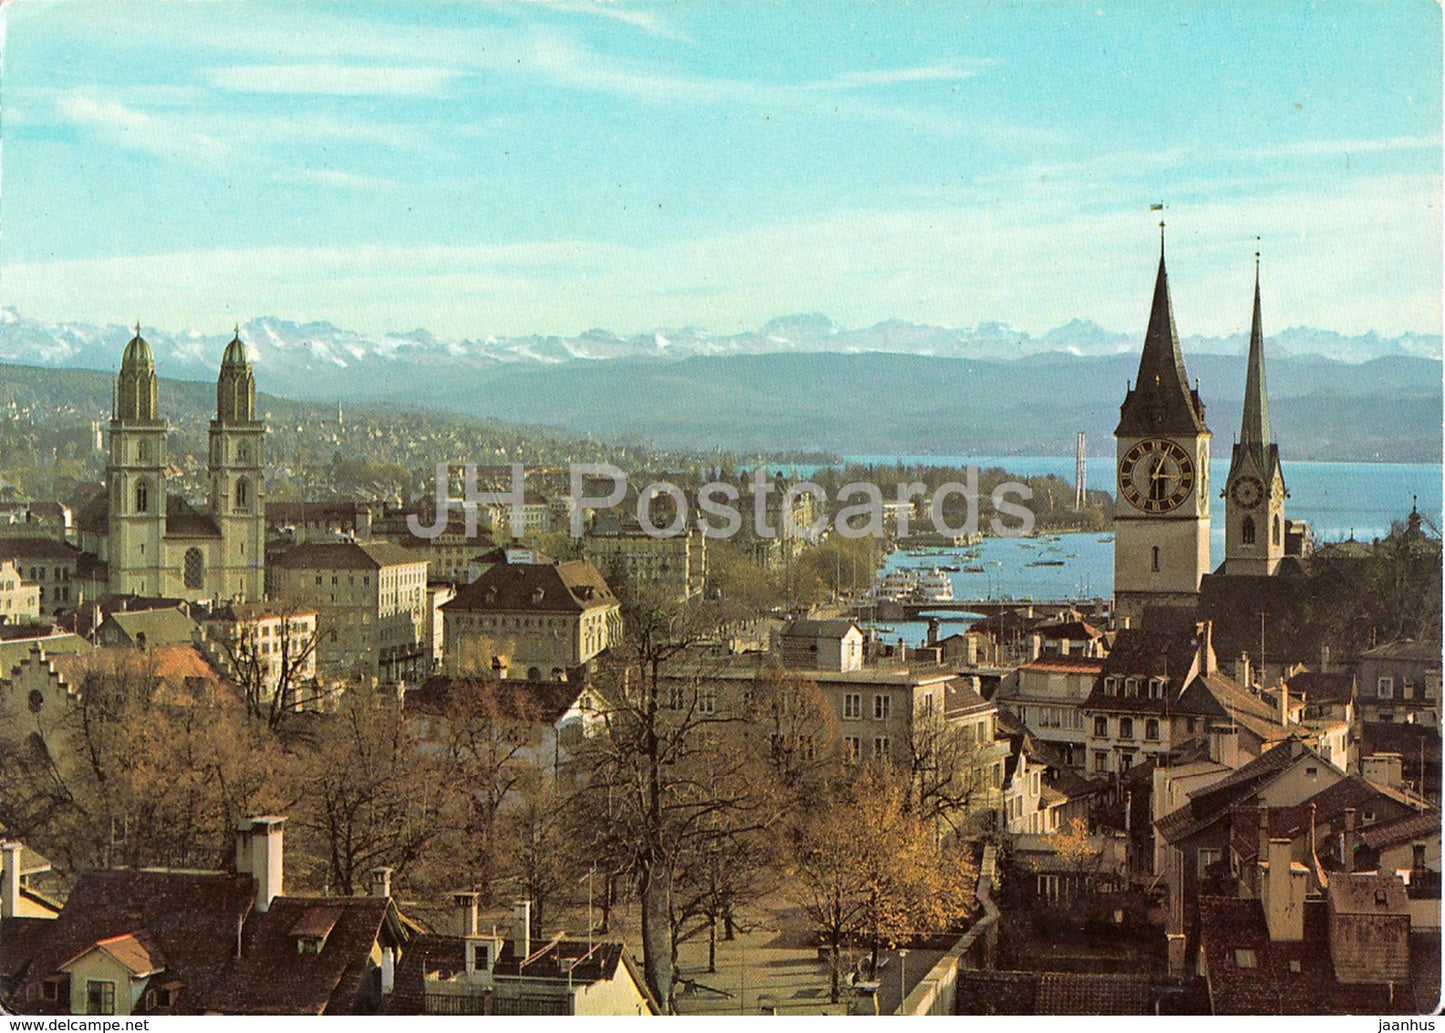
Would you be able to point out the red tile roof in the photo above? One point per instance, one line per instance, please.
(571, 587)
(191, 918)
(272, 978)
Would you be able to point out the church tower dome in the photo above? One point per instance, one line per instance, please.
(236, 386)
(136, 395)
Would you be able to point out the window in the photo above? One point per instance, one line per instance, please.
(1111, 686)
(1407, 688)
(194, 568)
(1275, 534)
(926, 706)
(1126, 728)
(243, 495)
(675, 700)
(1154, 559)
(1246, 530)
(852, 749)
(1151, 729)
(142, 505)
(1131, 688)
(1244, 958)
(1156, 688)
(707, 700)
(1101, 727)
(99, 997)
(882, 707)
(1417, 856)
(881, 747)
(852, 704)
(1385, 687)
(1101, 761)
(1206, 857)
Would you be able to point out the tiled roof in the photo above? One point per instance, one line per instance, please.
(1072, 630)
(184, 520)
(1426, 823)
(20, 938)
(1066, 664)
(1267, 983)
(343, 556)
(1213, 802)
(137, 951)
(1357, 893)
(571, 587)
(1319, 687)
(22, 547)
(1406, 649)
(1290, 822)
(505, 699)
(191, 919)
(272, 978)
(169, 627)
(1410, 741)
(1092, 993)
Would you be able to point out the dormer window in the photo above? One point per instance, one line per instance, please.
(1156, 688)
(314, 926)
(1131, 688)
(1111, 686)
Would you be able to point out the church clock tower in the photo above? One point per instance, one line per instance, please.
(136, 477)
(238, 501)
(1254, 492)
(1161, 514)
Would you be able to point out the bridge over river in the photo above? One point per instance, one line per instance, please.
(894, 610)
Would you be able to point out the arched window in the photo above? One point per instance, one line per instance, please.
(195, 569)
(243, 495)
(142, 497)
(243, 453)
(1276, 531)
(1154, 559)
(1246, 530)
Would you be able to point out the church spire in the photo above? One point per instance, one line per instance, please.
(1161, 401)
(1254, 429)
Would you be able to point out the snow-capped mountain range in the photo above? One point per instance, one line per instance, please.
(320, 360)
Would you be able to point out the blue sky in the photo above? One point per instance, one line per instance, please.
(534, 167)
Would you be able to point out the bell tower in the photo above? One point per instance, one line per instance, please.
(1161, 513)
(136, 477)
(236, 466)
(1254, 491)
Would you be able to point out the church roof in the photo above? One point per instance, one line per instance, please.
(235, 353)
(183, 520)
(1254, 432)
(1161, 402)
(137, 353)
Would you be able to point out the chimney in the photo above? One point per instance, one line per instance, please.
(1244, 673)
(259, 854)
(933, 625)
(1205, 632)
(1285, 885)
(1263, 854)
(467, 912)
(521, 928)
(1283, 702)
(1036, 646)
(1384, 769)
(10, 881)
(381, 881)
(1347, 843)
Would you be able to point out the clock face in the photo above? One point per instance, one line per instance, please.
(1247, 491)
(1156, 475)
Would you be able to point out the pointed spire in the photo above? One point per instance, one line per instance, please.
(1161, 400)
(1254, 429)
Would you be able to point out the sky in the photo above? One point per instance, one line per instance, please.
(501, 168)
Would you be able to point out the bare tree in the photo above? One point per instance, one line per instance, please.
(275, 675)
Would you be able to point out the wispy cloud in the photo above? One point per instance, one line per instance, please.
(943, 71)
(141, 131)
(333, 79)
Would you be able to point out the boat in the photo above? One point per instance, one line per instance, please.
(973, 570)
(1045, 563)
(933, 587)
(948, 568)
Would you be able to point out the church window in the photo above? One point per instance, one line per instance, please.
(243, 453)
(1154, 559)
(243, 495)
(1275, 534)
(142, 497)
(1246, 531)
(195, 569)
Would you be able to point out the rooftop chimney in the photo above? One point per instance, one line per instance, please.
(10, 881)
(1263, 839)
(381, 881)
(1245, 675)
(1284, 887)
(467, 911)
(1205, 630)
(1384, 769)
(259, 854)
(521, 928)
(1347, 842)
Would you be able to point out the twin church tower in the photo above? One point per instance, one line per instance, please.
(152, 543)
(1162, 521)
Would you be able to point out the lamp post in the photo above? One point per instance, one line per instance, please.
(902, 977)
